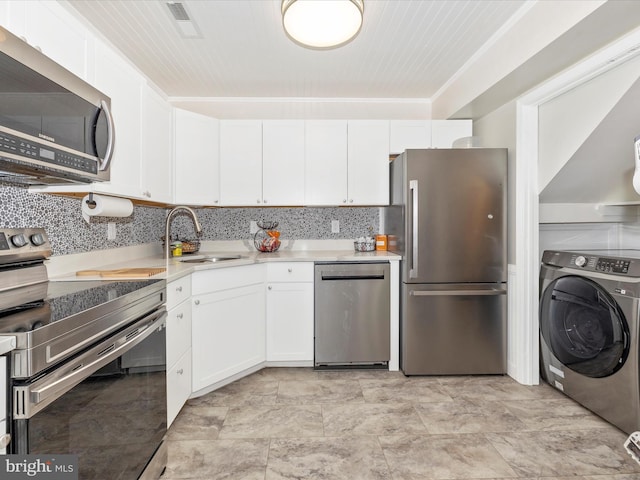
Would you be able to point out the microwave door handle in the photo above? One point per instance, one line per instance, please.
(413, 270)
(104, 164)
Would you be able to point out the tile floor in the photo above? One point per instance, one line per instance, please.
(297, 423)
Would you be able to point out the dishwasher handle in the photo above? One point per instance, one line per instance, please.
(352, 276)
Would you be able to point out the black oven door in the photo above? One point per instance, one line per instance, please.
(108, 405)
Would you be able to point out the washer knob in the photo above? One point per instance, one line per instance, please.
(581, 261)
(37, 239)
(19, 240)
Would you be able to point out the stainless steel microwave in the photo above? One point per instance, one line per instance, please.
(55, 128)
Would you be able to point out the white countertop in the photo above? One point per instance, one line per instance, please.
(111, 260)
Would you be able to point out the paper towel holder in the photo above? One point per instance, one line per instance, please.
(91, 202)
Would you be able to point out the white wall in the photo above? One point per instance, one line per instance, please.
(498, 130)
(581, 236)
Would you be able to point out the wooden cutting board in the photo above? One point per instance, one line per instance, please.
(123, 272)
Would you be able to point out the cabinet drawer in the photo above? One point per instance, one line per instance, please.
(178, 291)
(218, 279)
(178, 386)
(290, 272)
(178, 331)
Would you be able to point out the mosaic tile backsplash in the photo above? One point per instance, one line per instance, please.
(69, 233)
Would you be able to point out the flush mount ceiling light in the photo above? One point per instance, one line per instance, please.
(322, 24)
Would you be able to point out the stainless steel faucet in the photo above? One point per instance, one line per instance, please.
(167, 239)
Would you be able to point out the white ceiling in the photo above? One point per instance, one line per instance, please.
(407, 49)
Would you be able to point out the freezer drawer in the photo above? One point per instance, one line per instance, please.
(453, 329)
(352, 310)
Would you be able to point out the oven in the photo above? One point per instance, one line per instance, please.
(88, 374)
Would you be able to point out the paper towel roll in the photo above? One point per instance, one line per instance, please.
(103, 206)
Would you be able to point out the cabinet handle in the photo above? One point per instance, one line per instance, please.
(351, 201)
(215, 201)
(178, 289)
(180, 316)
(269, 287)
(258, 201)
(180, 372)
(147, 194)
(197, 302)
(264, 201)
(289, 270)
(344, 201)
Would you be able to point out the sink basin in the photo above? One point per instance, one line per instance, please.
(209, 258)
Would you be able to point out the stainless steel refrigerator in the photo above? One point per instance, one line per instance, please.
(447, 218)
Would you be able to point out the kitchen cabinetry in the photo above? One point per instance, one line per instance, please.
(123, 84)
(241, 162)
(228, 334)
(290, 313)
(196, 161)
(48, 27)
(157, 135)
(325, 162)
(404, 134)
(178, 346)
(283, 162)
(444, 132)
(368, 162)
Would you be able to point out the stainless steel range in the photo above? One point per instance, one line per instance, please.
(88, 375)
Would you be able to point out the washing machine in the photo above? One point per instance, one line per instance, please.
(589, 320)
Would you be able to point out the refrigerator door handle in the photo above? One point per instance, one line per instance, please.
(457, 293)
(413, 269)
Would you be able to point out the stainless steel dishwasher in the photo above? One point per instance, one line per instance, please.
(352, 315)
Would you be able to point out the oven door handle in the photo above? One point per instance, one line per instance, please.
(30, 399)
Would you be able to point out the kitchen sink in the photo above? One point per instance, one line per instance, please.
(209, 258)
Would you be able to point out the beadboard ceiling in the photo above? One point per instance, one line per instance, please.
(407, 49)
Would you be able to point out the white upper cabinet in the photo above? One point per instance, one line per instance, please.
(48, 27)
(241, 162)
(283, 163)
(404, 134)
(445, 132)
(196, 159)
(123, 84)
(325, 162)
(368, 162)
(157, 135)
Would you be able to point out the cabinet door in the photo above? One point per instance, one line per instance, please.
(47, 26)
(368, 175)
(196, 160)
(404, 134)
(157, 144)
(117, 79)
(178, 386)
(325, 162)
(178, 331)
(445, 132)
(241, 162)
(228, 333)
(283, 162)
(290, 322)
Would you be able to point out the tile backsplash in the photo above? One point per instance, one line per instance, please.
(60, 216)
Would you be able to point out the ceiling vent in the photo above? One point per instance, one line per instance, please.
(186, 27)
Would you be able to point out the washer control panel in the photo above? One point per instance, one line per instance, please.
(613, 265)
(615, 262)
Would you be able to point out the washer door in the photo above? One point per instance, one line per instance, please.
(583, 326)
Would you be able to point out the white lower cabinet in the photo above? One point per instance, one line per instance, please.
(228, 333)
(178, 346)
(290, 312)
